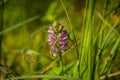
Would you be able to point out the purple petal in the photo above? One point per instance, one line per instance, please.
(51, 36)
(63, 42)
(53, 49)
(50, 31)
(64, 33)
(62, 50)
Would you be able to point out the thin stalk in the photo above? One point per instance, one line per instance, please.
(61, 1)
(28, 62)
(107, 37)
(43, 77)
(29, 69)
(100, 32)
(82, 37)
(100, 23)
(112, 57)
(110, 75)
(60, 63)
(99, 29)
(105, 7)
(88, 40)
(117, 6)
(19, 24)
(77, 54)
(1, 27)
(107, 24)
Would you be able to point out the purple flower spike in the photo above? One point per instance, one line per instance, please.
(57, 39)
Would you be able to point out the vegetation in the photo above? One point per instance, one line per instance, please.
(60, 40)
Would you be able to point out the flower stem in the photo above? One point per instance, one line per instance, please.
(60, 63)
(61, 1)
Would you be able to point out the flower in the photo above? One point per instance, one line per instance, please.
(57, 39)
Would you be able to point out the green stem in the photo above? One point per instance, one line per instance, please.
(73, 36)
(82, 37)
(61, 63)
(78, 57)
(39, 77)
(1, 27)
(29, 68)
(66, 14)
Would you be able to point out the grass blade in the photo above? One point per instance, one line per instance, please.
(19, 24)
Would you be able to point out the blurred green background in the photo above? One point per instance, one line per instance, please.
(24, 34)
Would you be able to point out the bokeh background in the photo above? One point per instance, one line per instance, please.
(24, 34)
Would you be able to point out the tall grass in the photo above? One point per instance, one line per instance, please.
(87, 53)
